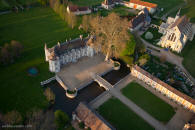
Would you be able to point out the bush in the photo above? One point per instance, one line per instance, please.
(143, 59)
(61, 119)
(71, 92)
(81, 125)
(148, 35)
(116, 64)
(49, 95)
(127, 59)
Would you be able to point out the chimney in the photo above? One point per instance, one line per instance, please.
(81, 37)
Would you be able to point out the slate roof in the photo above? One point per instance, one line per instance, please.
(137, 20)
(91, 118)
(58, 50)
(181, 23)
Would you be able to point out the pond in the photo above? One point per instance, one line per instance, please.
(33, 71)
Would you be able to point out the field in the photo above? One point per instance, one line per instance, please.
(8, 4)
(166, 4)
(149, 102)
(33, 29)
(86, 2)
(189, 57)
(121, 117)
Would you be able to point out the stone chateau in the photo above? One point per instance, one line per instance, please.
(177, 31)
(170, 92)
(67, 52)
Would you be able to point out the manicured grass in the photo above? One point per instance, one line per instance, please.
(86, 2)
(33, 29)
(166, 4)
(189, 57)
(120, 10)
(156, 36)
(149, 102)
(189, 10)
(121, 117)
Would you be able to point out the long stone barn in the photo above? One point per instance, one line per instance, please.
(170, 92)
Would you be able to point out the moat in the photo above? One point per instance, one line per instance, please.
(87, 94)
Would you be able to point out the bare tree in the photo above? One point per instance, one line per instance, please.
(111, 34)
(86, 22)
(49, 95)
(71, 19)
(12, 117)
(16, 48)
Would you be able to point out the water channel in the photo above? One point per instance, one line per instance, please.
(88, 93)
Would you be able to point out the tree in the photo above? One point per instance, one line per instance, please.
(12, 118)
(71, 19)
(61, 119)
(40, 120)
(162, 58)
(5, 56)
(16, 48)
(127, 59)
(111, 35)
(62, 11)
(49, 95)
(86, 22)
(143, 59)
(130, 47)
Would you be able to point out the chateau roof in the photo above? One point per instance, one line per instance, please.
(143, 3)
(60, 49)
(189, 99)
(91, 118)
(75, 8)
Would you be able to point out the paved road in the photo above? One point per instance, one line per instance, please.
(148, 118)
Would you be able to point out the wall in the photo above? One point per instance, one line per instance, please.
(180, 100)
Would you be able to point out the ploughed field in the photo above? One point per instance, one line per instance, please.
(32, 28)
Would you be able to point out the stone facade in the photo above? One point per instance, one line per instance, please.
(175, 95)
(140, 5)
(67, 52)
(177, 31)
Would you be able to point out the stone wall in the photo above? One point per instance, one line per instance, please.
(168, 91)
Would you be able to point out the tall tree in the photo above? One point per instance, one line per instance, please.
(111, 34)
(86, 22)
(71, 19)
(16, 48)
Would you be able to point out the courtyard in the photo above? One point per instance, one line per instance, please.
(149, 102)
(78, 75)
(121, 117)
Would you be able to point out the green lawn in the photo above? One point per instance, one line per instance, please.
(121, 117)
(86, 2)
(156, 36)
(166, 4)
(33, 29)
(149, 102)
(189, 57)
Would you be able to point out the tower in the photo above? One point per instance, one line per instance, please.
(46, 52)
(177, 15)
